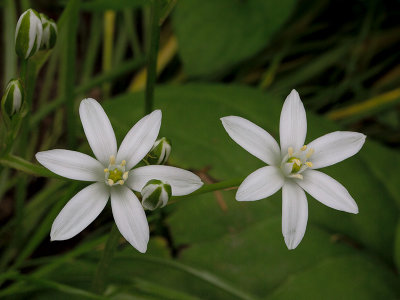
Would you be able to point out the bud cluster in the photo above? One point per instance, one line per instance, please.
(34, 32)
(12, 98)
(160, 152)
(155, 194)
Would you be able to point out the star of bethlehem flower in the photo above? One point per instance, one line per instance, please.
(113, 174)
(292, 166)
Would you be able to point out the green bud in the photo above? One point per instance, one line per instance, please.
(12, 98)
(28, 34)
(155, 194)
(50, 32)
(160, 152)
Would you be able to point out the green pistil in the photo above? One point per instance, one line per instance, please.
(115, 175)
(295, 167)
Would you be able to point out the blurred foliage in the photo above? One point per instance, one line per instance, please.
(216, 58)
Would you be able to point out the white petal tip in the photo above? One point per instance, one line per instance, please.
(88, 101)
(242, 197)
(354, 210)
(142, 249)
(54, 238)
(157, 113)
(291, 244)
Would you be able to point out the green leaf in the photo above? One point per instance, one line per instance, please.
(201, 142)
(216, 35)
(397, 246)
(347, 277)
(101, 5)
(242, 242)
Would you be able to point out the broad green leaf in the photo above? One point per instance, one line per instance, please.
(348, 277)
(101, 5)
(216, 35)
(191, 120)
(241, 244)
(397, 246)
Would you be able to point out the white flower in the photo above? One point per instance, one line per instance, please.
(292, 166)
(113, 176)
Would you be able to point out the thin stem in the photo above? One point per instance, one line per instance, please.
(105, 260)
(94, 45)
(23, 165)
(10, 59)
(68, 56)
(126, 67)
(108, 41)
(222, 185)
(131, 31)
(24, 70)
(200, 274)
(152, 56)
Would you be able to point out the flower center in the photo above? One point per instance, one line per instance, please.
(294, 163)
(115, 174)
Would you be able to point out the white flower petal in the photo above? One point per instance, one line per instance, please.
(293, 123)
(294, 214)
(260, 184)
(182, 182)
(139, 140)
(334, 147)
(327, 191)
(80, 211)
(252, 138)
(71, 164)
(130, 217)
(98, 130)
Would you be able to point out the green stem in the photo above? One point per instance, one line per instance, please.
(105, 260)
(108, 42)
(94, 45)
(152, 56)
(131, 31)
(23, 165)
(222, 185)
(24, 67)
(10, 58)
(68, 69)
(126, 67)
(200, 274)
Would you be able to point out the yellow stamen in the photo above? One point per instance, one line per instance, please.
(112, 160)
(309, 164)
(290, 151)
(125, 176)
(297, 161)
(121, 182)
(123, 163)
(303, 148)
(298, 176)
(310, 152)
(110, 182)
(106, 170)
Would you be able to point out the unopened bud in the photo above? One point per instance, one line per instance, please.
(155, 194)
(49, 36)
(160, 152)
(13, 97)
(28, 34)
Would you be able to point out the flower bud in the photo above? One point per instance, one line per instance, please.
(49, 36)
(28, 34)
(155, 194)
(13, 97)
(160, 152)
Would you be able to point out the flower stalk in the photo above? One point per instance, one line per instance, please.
(105, 260)
(152, 56)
